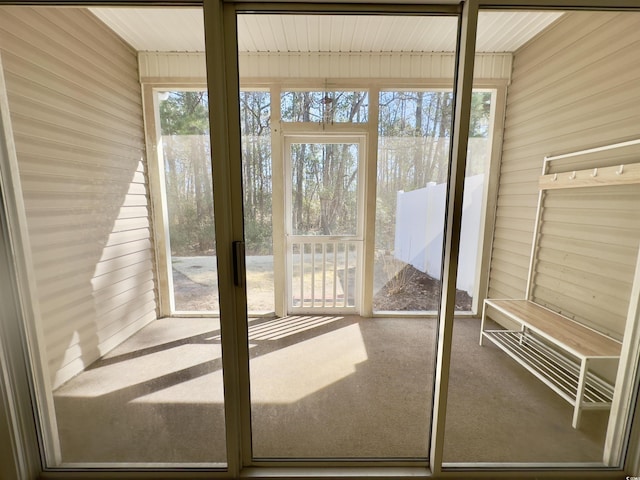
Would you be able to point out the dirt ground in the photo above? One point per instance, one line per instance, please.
(415, 291)
(194, 282)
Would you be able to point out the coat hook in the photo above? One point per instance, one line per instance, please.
(595, 172)
(555, 177)
(573, 175)
(620, 170)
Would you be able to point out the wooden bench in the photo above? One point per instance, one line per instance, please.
(557, 350)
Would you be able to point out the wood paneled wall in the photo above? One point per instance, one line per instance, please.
(76, 111)
(576, 86)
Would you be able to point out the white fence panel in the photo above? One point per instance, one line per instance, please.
(420, 226)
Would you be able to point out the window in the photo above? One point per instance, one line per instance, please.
(324, 107)
(414, 132)
(78, 204)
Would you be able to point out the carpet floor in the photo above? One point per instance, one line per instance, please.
(321, 387)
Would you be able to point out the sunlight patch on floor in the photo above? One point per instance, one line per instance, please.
(136, 370)
(280, 328)
(289, 374)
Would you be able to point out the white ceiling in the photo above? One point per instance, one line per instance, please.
(181, 30)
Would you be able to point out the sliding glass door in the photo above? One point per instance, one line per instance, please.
(296, 196)
(327, 380)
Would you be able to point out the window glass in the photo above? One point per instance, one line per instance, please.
(121, 386)
(325, 107)
(257, 181)
(414, 136)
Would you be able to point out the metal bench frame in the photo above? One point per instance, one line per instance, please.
(549, 353)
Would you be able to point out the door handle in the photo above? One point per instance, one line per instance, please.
(239, 267)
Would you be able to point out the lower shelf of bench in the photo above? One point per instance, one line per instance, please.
(556, 370)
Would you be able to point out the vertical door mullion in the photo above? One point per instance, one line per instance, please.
(369, 208)
(223, 84)
(363, 191)
(283, 197)
(279, 212)
(462, 95)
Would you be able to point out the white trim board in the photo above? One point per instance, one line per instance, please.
(166, 65)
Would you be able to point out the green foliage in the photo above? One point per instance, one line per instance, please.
(480, 114)
(184, 120)
(185, 113)
(258, 237)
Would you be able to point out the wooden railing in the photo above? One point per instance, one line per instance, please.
(323, 271)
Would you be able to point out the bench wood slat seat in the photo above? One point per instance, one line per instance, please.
(557, 350)
(579, 340)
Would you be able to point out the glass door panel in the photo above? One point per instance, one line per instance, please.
(119, 386)
(583, 266)
(327, 383)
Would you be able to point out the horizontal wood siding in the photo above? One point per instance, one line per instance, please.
(75, 103)
(576, 86)
(586, 257)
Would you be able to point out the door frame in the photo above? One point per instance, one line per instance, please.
(234, 320)
(325, 138)
(22, 303)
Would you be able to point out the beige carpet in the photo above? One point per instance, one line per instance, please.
(321, 387)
